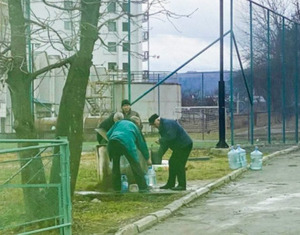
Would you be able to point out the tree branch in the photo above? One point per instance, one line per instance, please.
(52, 66)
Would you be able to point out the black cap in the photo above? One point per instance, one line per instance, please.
(125, 102)
(153, 118)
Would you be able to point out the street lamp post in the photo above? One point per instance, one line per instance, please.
(222, 142)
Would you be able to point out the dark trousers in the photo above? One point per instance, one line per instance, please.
(115, 151)
(177, 164)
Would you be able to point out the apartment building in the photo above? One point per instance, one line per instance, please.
(121, 53)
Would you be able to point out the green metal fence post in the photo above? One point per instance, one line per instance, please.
(129, 53)
(283, 78)
(296, 82)
(269, 78)
(66, 192)
(251, 75)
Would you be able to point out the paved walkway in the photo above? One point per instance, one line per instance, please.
(258, 202)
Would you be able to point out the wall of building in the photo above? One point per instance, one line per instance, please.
(162, 100)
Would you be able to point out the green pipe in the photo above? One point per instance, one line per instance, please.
(242, 69)
(176, 70)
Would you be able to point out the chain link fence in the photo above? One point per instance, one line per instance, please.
(35, 195)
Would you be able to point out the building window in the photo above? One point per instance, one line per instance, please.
(125, 67)
(145, 35)
(68, 5)
(146, 55)
(125, 26)
(112, 47)
(111, 7)
(112, 26)
(146, 16)
(125, 7)
(67, 25)
(126, 46)
(112, 66)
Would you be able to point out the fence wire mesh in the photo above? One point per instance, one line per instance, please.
(35, 197)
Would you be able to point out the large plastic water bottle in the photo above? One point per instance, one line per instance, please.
(233, 159)
(256, 159)
(242, 156)
(151, 177)
(124, 183)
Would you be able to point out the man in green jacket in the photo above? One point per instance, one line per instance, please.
(124, 138)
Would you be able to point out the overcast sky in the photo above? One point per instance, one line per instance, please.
(176, 44)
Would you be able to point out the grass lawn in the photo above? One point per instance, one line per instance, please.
(105, 214)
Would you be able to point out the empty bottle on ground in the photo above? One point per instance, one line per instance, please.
(242, 156)
(151, 177)
(124, 183)
(233, 159)
(256, 159)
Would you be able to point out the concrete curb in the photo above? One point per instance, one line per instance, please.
(153, 218)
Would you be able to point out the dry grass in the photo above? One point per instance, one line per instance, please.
(110, 212)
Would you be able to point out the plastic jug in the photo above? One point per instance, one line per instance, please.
(151, 177)
(256, 159)
(233, 159)
(124, 183)
(242, 156)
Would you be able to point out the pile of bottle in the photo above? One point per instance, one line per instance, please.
(237, 158)
(150, 178)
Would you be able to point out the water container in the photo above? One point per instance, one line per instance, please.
(242, 156)
(151, 177)
(124, 183)
(256, 159)
(233, 159)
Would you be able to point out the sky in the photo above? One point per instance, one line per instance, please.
(172, 44)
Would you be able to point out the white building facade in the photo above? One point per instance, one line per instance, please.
(121, 52)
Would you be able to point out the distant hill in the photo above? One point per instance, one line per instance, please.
(192, 82)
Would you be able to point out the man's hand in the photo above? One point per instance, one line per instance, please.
(149, 162)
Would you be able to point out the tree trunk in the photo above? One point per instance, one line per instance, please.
(19, 83)
(70, 118)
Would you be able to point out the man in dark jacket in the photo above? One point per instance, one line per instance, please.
(107, 123)
(127, 111)
(173, 136)
(124, 138)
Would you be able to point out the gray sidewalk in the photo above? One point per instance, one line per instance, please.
(259, 202)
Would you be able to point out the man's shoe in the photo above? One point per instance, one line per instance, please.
(166, 186)
(179, 188)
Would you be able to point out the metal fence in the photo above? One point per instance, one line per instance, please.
(35, 198)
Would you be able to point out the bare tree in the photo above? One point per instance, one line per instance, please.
(86, 15)
(281, 47)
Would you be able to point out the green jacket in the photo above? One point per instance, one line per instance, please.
(130, 136)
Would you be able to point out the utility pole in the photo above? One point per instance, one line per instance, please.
(222, 143)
